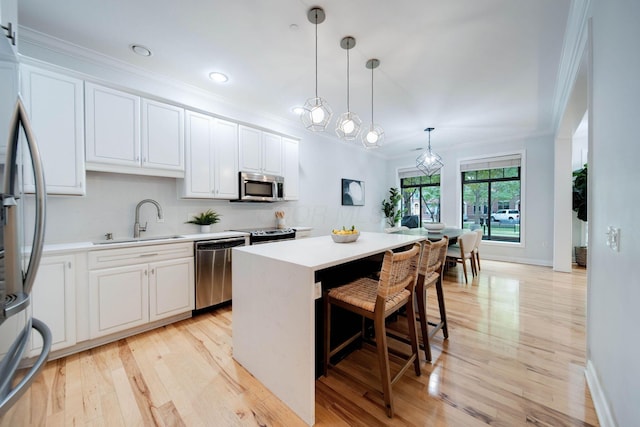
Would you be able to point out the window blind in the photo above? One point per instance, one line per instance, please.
(500, 162)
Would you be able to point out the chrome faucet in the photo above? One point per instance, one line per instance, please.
(137, 228)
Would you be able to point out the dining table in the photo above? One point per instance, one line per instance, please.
(451, 232)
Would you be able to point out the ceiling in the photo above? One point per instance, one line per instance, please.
(476, 70)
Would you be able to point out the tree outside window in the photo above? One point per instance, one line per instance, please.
(421, 197)
(491, 201)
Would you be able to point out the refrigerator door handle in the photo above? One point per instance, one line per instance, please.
(12, 258)
(9, 396)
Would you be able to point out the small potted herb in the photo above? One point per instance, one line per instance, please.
(205, 220)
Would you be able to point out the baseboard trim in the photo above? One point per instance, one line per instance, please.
(603, 411)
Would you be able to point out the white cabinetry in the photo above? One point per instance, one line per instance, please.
(290, 160)
(9, 17)
(130, 287)
(9, 91)
(54, 103)
(260, 152)
(212, 158)
(53, 301)
(112, 126)
(127, 134)
(162, 136)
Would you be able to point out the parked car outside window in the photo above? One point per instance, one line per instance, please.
(505, 214)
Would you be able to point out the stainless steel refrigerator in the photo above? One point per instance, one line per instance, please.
(18, 260)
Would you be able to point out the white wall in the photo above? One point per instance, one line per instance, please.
(110, 202)
(614, 287)
(537, 201)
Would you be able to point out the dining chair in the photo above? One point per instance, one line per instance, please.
(430, 275)
(476, 250)
(377, 300)
(463, 252)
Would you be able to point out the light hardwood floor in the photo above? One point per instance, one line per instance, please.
(515, 356)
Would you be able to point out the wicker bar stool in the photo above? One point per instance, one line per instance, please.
(430, 275)
(377, 300)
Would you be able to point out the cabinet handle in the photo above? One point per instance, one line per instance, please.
(69, 265)
(153, 271)
(148, 254)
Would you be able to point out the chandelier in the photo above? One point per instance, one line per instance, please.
(316, 111)
(429, 162)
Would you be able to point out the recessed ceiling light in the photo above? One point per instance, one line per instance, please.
(297, 110)
(138, 49)
(218, 77)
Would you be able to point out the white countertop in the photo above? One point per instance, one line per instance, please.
(150, 240)
(322, 252)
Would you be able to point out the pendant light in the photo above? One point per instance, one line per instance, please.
(373, 137)
(348, 125)
(317, 112)
(429, 162)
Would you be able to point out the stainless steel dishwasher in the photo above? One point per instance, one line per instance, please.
(213, 270)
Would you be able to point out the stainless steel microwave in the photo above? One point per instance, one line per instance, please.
(255, 187)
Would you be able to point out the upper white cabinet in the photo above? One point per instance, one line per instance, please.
(112, 126)
(260, 152)
(9, 91)
(54, 103)
(290, 159)
(212, 158)
(9, 18)
(162, 136)
(127, 134)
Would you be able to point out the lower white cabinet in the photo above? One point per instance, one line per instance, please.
(53, 301)
(169, 292)
(118, 299)
(129, 287)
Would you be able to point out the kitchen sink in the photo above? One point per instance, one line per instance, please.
(139, 239)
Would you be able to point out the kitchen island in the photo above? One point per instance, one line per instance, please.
(274, 321)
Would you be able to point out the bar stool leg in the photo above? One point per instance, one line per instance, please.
(413, 334)
(422, 313)
(443, 311)
(327, 334)
(383, 361)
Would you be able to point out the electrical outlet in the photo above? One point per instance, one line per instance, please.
(613, 238)
(318, 290)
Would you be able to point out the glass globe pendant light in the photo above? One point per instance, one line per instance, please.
(429, 162)
(374, 135)
(348, 125)
(316, 111)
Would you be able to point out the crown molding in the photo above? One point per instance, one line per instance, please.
(573, 49)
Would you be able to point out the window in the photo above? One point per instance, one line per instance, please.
(491, 197)
(420, 198)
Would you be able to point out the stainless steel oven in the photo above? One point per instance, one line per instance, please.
(213, 270)
(268, 235)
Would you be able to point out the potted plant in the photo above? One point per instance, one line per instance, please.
(580, 207)
(205, 220)
(390, 205)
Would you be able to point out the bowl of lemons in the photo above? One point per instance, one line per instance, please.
(345, 235)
